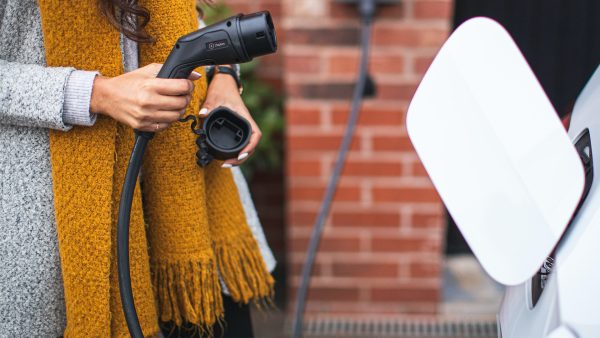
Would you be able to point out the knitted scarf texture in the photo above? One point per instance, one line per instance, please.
(190, 225)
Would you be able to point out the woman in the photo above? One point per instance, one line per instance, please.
(67, 109)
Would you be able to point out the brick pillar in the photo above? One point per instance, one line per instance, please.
(382, 249)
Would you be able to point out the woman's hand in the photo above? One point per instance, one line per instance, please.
(223, 91)
(140, 100)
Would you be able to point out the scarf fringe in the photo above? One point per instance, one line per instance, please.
(244, 272)
(189, 292)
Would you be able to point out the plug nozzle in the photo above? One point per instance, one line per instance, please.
(258, 34)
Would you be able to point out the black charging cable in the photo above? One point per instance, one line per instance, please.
(133, 170)
(367, 10)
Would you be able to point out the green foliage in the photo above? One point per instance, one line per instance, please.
(212, 14)
(265, 105)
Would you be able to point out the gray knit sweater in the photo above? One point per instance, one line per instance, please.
(33, 99)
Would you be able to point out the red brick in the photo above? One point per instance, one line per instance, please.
(419, 269)
(300, 193)
(405, 195)
(327, 244)
(343, 64)
(328, 294)
(303, 116)
(409, 36)
(399, 295)
(303, 168)
(318, 142)
(392, 143)
(340, 36)
(402, 92)
(422, 63)
(302, 218)
(327, 91)
(387, 64)
(365, 218)
(432, 9)
(366, 270)
(403, 245)
(419, 170)
(369, 116)
(302, 64)
(318, 269)
(427, 220)
(379, 64)
(369, 168)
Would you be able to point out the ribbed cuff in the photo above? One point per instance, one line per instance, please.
(78, 93)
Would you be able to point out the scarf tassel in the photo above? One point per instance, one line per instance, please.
(244, 271)
(189, 292)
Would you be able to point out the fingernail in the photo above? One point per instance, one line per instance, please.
(226, 165)
(196, 74)
(203, 111)
(242, 156)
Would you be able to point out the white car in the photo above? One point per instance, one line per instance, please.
(520, 188)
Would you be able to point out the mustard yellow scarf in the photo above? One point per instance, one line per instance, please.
(190, 225)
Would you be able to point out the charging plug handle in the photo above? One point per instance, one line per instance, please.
(237, 39)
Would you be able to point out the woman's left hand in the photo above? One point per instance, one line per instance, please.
(223, 91)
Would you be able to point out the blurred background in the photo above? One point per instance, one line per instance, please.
(391, 262)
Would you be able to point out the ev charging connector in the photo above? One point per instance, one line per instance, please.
(237, 39)
(367, 10)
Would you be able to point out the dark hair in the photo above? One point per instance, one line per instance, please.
(128, 17)
(135, 17)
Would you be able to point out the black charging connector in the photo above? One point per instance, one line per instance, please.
(222, 136)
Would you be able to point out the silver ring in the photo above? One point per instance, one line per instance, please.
(157, 125)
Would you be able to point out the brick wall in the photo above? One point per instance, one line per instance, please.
(382, 250)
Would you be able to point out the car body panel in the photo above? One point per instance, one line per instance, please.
(578, 256)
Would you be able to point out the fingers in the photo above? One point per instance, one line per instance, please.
(194, 75)
(207, 107)
(204, 112)
(154, 69)
(157, 121)
(150, 70)
(172, 87)
(153, 127)
(165, 116)
(163, 102)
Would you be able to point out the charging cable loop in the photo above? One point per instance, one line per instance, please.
(203, 156)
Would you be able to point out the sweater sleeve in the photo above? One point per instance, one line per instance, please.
(78, 93)
(33, 95)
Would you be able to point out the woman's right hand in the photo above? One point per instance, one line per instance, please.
(141, 100)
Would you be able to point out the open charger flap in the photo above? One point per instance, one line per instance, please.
(495, 150)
